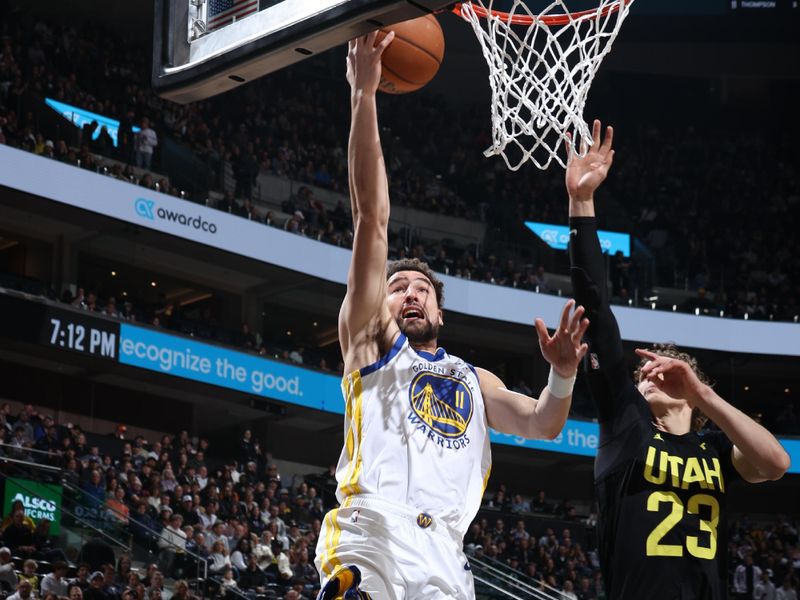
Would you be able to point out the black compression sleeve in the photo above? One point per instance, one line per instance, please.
(588, 273)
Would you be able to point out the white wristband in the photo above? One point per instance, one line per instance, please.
(558, 386)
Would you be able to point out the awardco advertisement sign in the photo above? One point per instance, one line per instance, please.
(41, 500)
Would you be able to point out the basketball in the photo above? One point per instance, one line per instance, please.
(413, 57)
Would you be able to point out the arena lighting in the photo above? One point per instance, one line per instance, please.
(113, 273)
(153, 284)
(288, 333)
(747, 388)
(746, 317)
(674, 307)
(795, 318)
(786, 390)
(653, 305)
(722, 313)
(697, 311)
(315, 323)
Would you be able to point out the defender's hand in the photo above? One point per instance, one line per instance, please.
(364, 62)
(672, 376)
(584, 175)
(564, 349)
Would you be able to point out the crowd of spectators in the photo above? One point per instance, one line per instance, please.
(294, 126)
(180, 506)
(183, 508)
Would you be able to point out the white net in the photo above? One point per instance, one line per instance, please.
(540, 74)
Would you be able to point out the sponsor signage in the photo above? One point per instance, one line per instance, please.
(178, 356)
(41, 500)
(249, 373)
(173, 216)
(557, 236)
(150, 210)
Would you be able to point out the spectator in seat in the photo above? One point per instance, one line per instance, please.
(279, 570)
(146, 141)
(172, 545)
(240, 556)
(252, 579)
(81, 579)
(8, 576)
(18, 536)
(228, 582)
(29, 574)
(45, 544)
(26, 520)
(75, 592)
(96, 587)
(218, 560)
(24, 591)
(520, 505)
(182, 592)
(765, 589)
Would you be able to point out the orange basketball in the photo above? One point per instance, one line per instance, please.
(413, 57)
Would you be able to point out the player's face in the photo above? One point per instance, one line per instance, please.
(412, 303)
(657, 398)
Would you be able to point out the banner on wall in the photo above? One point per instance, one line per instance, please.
(41, 500)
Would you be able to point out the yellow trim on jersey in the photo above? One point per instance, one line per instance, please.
(350, 484)
(486, 479)
(348, 415)
(329, 561)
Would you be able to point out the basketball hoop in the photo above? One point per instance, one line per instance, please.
(541, 67)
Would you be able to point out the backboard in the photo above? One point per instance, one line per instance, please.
(202, 48)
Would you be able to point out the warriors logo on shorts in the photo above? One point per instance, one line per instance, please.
(442, 402)
(424, 520)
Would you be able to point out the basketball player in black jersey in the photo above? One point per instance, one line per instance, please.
(661, 484)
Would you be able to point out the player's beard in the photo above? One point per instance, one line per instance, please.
(421, 331)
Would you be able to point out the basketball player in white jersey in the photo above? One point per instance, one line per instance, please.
(416, 457)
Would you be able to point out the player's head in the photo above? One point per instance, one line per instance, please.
(656, 397)
(415, 297)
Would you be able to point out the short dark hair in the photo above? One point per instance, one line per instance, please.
(699, 419)
(415, 264)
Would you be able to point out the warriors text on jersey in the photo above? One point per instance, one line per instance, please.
(416, 434)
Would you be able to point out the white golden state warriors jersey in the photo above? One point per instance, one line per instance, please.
(416, 434)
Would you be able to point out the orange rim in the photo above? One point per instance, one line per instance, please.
(563, 19)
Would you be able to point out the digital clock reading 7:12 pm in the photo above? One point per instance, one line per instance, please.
(78, 337)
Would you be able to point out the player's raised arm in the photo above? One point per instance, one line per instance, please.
(518, 414)
(587, 267)
(363, 316)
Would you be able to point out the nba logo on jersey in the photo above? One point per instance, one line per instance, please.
(595, 364)
(442, 402)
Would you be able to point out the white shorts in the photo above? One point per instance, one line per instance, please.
(399, 559)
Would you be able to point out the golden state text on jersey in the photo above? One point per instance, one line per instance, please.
(441, 403)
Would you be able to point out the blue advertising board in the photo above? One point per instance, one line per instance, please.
(557, 236)
(206, 363)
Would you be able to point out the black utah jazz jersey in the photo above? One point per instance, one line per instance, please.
(661, 527)
(662, 497)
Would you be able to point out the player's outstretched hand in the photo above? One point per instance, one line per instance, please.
(584, 175)
(564, 349)
(672, 376)
(364, 62)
